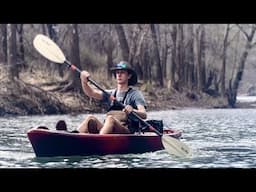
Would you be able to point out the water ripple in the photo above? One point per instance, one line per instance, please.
(219, 138)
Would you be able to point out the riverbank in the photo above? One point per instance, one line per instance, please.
(31, 95)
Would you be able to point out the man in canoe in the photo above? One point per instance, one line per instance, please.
(119, 119)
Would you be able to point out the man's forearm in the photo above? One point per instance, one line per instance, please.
(91, 92)
(141, 114)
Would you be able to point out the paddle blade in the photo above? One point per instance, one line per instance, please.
(49, 49)
(175, 146)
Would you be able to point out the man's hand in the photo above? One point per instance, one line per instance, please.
(84, 76)
(128, 109)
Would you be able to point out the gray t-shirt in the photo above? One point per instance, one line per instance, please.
(134, 98)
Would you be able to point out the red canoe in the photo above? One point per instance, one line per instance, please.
(48, 143)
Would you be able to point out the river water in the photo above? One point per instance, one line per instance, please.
(219, 138)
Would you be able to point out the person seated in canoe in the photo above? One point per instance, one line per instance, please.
(119, 119)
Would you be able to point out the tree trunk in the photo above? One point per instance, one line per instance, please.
(201, 76)
(164, 57)
(123, 42)
(224, 58)
(174, 56)
(233, 86)
(146, 65)
(191, 59)
(52, 31)
(3, 43)
(109, 47)
(109, 62)
(202, 59)
(43, 29)
(75, 83)
(12, 51)
(109, 51)
(181, 57)
(21, 54)
(137, 57)
(159, 75)
(238, 77)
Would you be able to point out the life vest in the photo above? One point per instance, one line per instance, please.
(128, 120)
(115, 105)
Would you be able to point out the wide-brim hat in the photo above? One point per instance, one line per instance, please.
(123, 65)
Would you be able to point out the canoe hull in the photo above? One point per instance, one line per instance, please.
(48, 143)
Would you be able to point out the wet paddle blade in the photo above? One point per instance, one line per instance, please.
(175, 146)
(49, 49)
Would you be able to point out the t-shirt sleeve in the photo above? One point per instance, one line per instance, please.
(105, 96)
(139, 99)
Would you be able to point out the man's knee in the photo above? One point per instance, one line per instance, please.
(110, 119)
(90, 117)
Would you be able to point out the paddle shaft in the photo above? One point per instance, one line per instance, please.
(112, 98)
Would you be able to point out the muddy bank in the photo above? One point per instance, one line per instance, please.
(31, 95)
(22, 98)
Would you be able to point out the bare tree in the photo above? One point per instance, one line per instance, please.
(165, 50)
(234, 84)
(3, 43)
(12, 51)
(109, 47)
(123, 41)
(180, 56)
(224, 59)
(174, 55)
(138, 47)
(201, 70)
(21, 50)
(191, 57)
(75, 83)
(43, 29)
(159, 75)
(52, 31)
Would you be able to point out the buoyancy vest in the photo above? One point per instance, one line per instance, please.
(114, 104)
(131, 122)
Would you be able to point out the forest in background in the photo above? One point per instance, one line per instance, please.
(193, 60)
